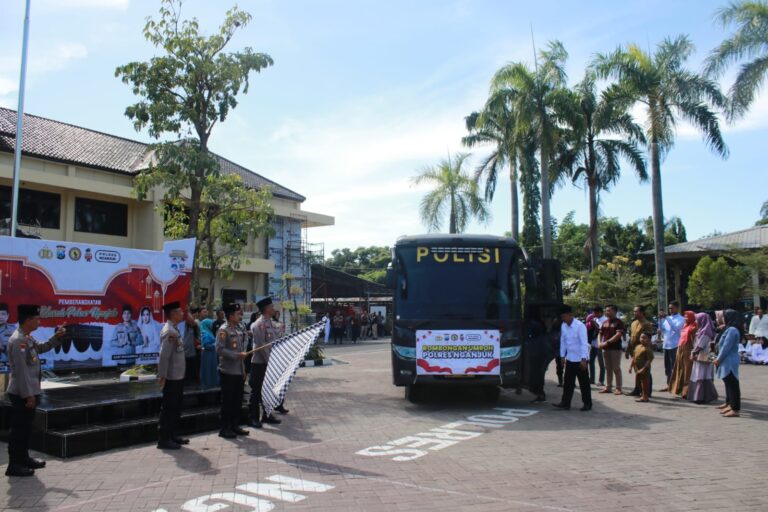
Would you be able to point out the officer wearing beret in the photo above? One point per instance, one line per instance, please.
(24, 388)
(6, 331)
(264, 333)
(171, 367)
(230, 347)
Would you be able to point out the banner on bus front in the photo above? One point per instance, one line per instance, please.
(458, 352)
(111, 298)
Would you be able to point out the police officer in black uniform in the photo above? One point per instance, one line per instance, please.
(230, 346)
(24, 388)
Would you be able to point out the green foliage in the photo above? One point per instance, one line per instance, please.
(617, 282)
(529, 185)
(715, 283)
(764, 215)
(187, 89)
(749, 41)
(568, 245)
(454, 193)
(361, 261)
(757, 262)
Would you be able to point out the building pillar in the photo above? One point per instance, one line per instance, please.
(756, 303)
(677, 273)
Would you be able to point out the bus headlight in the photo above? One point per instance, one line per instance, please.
(405, 352)
(510, 352)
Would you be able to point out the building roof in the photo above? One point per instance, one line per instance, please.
(66, 143)
(755, 237)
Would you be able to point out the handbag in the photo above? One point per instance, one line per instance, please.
(703, 356)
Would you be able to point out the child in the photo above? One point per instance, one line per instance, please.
(641, 362)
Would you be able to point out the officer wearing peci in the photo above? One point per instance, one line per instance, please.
(264, 333)
(171, 367)
(230, 347)
(24, 388)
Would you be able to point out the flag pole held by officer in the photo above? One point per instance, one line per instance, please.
(24, 387)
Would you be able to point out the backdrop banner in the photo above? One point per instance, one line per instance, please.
(111, 298)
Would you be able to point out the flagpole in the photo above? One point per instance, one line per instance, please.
(19, 124)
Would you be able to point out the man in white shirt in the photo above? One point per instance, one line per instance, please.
(758, 326)
(574, 349)
(670, 327)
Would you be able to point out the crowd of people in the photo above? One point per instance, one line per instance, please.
(697, 348)
(356, 327)
(192, 347)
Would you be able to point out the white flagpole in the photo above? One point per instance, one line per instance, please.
(19, 124)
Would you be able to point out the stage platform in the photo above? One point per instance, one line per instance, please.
(89, 417)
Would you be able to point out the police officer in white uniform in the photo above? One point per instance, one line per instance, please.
(24, 388)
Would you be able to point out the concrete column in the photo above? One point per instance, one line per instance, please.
(678, 283)
(756, 287)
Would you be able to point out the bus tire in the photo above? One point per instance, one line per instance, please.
(492, 393)
(414, 393)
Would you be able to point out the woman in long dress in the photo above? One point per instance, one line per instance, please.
(681, 373)
(209, 373)
(702, 387)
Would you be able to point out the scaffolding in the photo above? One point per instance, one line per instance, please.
(293, 255)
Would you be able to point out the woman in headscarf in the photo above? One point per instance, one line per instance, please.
(702, 387)
(681, 373)
(209, 373)
(727, 363)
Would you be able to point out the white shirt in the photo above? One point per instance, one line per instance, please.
(671, 326)
(599, 323)
(759, 326)
(574, 346)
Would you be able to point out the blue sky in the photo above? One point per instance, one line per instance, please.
(364, 93)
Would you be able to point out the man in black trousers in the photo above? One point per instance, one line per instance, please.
(574, 349)
(171, 367)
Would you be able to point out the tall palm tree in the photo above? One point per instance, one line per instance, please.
(540, 93)
(454, 190)
(495, 125)
(749, 41)
(667, 93)
(601, 132)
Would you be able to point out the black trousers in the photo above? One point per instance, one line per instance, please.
(21, 427)
(596, 353)
(170, 409)
(559, 366)
(192, 368)
(669, 362)
(732, 392)
(572, 372)
(231, 400)
(637, 391)
(256, 382)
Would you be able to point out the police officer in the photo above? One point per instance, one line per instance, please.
(6, 331)
(264, 332)
(171, 366)
(24, 388)
(230, 347)
(126, 337)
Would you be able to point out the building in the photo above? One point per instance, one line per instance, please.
(682, 258)
(76, 186)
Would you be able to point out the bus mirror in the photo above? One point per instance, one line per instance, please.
(391, 279)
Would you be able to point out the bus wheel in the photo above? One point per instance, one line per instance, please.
(414, 393)
(492, 393)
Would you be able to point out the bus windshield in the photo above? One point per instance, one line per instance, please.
(457, 282)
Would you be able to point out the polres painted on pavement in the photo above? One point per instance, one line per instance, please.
(418, 445)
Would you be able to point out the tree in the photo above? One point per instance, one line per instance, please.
(529, 184)
(763, 214)
(455, 191)
(189, 88)
(667, 92)
(540, 98)
(749, 41)
(568, 244)
(756, 263)
(365, 262)
(715, 283)
(601, 133)
(674, 230)
(495, 125)
(617, 282)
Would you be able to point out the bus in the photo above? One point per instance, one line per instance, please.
(463, 309)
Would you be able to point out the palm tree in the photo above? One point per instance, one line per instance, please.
(601, 132)
(667, 93)
(454, 190)
(495, 125)
(540, 93)
(749, 41)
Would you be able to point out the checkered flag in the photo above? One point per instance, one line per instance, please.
(287, 354)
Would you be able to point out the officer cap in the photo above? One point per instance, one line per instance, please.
(231, 308)
(263, 303)
(167, 308)
(27, 311)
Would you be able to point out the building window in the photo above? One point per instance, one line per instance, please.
(102, 217)
(36, 208)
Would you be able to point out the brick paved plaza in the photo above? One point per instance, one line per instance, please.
(336, 451)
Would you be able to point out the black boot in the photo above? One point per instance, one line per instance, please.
(270, 420)
(281, 409)
(180, 440)
(35, 463)
(19, 470)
